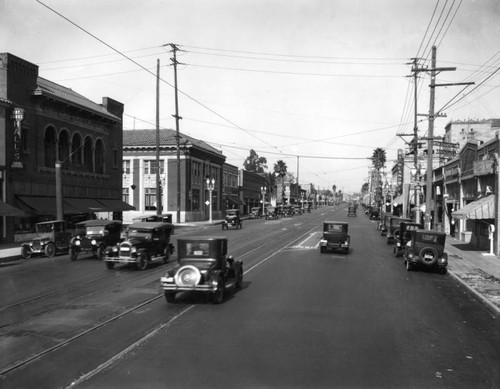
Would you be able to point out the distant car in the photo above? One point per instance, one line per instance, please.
(385, 223)
(404, 235)
(165, 218)
(255, 213)
(426, 249)
(271, 213)
(351, 211)
(297, 210)
(146, 243)
(374, 214)
(335, 236)
(51, 238)
(393, 229)
(203, 266)
(232, 219)
(93, 236)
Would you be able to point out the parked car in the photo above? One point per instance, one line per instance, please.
(146, 243)
(165, 218)
(93, 236)
(255, 213)
(385, 223)
(374, 214)
(426, 249)
(51, 238)
(351, 211)
(203, 266)
(404, 235)
(271, 213)
(297, 210)
(335, 236)
(232, 220)
(394, 224)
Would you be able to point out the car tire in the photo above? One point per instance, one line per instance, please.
(239, 279)
(50, 250)
(142, 261)
(26, 252)
(73, 255)
(100, 253)
(426, 251)
(170, 297)
(218, 296)
(322, 249)
(166, 254)
(408, 265)
(110, 265)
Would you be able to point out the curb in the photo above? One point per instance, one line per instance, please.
(477, 294)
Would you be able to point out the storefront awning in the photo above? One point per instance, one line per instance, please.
(234, 200)
(9, 210)
(115, 205)
(398, 200)
(484, 208)
(72, 205)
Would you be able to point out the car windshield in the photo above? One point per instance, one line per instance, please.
(139, 233)
(49, 227)
(429, 238)
(95, 230)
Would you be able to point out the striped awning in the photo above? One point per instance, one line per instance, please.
(483, 208)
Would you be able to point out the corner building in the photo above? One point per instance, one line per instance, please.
(42, 122)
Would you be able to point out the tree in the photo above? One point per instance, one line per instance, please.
(280, 168)
(254, 163)
(378, 158)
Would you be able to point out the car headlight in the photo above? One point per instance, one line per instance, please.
(93, 241)
(115, 249)
(133, 249)
(77, 242)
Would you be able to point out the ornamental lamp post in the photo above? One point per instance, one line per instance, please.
(210, 187)
(263, 191)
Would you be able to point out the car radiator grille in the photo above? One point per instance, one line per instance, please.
(86, 244)
(37, 245)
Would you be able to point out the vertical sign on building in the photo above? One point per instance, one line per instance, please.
(17, 116)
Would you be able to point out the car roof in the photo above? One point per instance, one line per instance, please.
(432, 232)
(51, 221)
(203, 238)
(334, 222)
(149, 225)
(98, 222)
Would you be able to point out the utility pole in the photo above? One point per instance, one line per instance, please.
(177, 135)
(158, 182)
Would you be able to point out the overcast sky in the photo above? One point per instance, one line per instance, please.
(317, 83)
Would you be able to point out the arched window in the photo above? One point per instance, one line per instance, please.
(76, 150)
(88, 159)
(64, 148)
(99, 157)
(49, 147)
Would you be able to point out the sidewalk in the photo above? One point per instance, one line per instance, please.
(476, 271)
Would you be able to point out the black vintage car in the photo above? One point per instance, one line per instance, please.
(404, 235)
(393, 229)
(374, 214)
(255, 213)
(272, 213)
(203, 266)
(351, 211)
(146, 242)
(93, 236)
(232, 219)
(335, 236)
(426, 249)
(385, 222)
(51, 237)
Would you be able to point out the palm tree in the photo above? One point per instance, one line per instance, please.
(379, 158)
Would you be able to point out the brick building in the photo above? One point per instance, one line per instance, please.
(42, 122)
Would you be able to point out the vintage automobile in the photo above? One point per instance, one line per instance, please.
(272, 213)
(203, 266)
(51, 237)
(165, 218)
(402, 236)
(232, 219)
(335, 236)
(351, 211)
(146, 242)
(426, 249)
(93, 236)
(255, 213)
(297, 210)
(393, 229)
(385, 223)
(374, 214)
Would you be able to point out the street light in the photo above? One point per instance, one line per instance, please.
(417, 173)
(263, 191)
(210, 187)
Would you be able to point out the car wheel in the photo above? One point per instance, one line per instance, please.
(222, 226)
(219, 293)
(110, 265)
(239, 279)
(73, 255)
(241, 225)
(396, 252)
(142, 262)
(408, 265)
(166, 254)
(322, 249)
(99, 253)
(25, 252)
(428, 256)
(50, 250)
(170, 297)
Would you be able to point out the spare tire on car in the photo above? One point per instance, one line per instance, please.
(428, 256)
